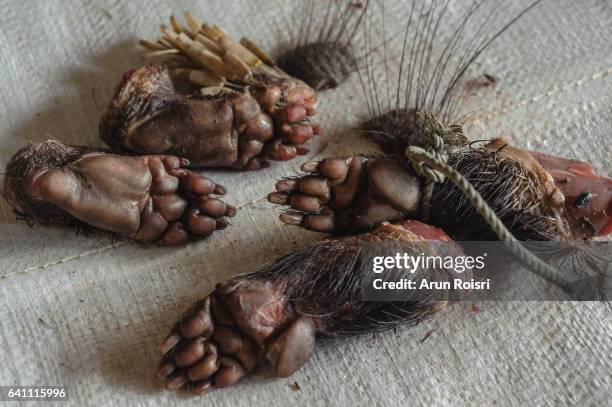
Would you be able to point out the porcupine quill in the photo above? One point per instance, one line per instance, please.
(437, 88)
(432, 69)
(396, 124)
(533, 194)
(214, 100)
(431, 79)
(308, 293)
(318, 50)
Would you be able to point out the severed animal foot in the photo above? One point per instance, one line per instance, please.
(146, 198)
(273, 316)
(224, 336)
(231, 129)
(348, 195)
(537, 196)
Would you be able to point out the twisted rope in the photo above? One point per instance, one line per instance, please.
(439, 140)
(433, 164)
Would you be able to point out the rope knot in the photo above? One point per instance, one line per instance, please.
(428, 164)
(439, 141)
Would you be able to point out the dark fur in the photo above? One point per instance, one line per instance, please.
(324, 281)
(320, 54)
(395, 130)
(518, 204)
(432, 69)
(321, 65)
(430, 78)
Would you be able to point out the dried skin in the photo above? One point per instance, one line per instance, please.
(274, 315)
(146, 198)
(349, 195)
(525, 190)
(239, 130)
(229, 332)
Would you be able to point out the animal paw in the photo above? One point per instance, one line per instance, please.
(240, 325)
(232, 129)
(146, 198)
(348, 195)
(291, 103)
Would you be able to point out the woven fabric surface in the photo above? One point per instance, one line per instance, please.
(88, 312)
